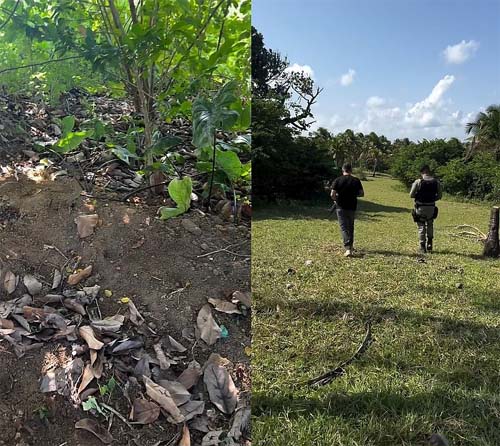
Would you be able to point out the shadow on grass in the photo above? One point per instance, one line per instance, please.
(319, 211)
(436, 405)
(467, 332)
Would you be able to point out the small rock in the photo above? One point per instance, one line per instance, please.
(204, 246)
(308, 262)
(191, 227)
(289, 286)
(459, 286)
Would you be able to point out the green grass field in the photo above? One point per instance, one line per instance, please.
(435, 362)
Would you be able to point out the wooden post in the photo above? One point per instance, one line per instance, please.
(492, 244)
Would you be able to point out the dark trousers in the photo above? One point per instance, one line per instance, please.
(346, 222)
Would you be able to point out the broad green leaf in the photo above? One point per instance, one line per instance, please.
(210, 116)
(124, 154)
(71, 141)
(229, 163)
(180, 191)
(67, 124)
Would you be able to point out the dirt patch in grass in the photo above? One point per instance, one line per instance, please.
(161, 266)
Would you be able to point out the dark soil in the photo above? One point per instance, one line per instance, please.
(135, 255)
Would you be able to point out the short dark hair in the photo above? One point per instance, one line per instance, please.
(347, 167)
(425, 169)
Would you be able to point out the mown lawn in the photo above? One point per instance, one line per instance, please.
(435, 362)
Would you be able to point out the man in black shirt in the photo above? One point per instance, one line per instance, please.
(426, 191)
(345, 192)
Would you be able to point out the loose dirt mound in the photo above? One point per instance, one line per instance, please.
(165, 268)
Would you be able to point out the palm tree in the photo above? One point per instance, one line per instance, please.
(485, 131)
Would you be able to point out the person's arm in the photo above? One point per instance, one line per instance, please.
(361, 191)
(333, 192)
(414, 189)
(439, 194)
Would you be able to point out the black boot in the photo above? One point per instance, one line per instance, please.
(429, 245)
(423, 250)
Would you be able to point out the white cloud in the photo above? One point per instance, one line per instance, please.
(347, 78)
(434, 116)
(459, 53)
(297, 68)
(423, 113)
(375, 101)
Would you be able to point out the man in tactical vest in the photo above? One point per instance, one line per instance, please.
(426, 191)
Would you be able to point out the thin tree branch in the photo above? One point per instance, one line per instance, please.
(329, 376)
(10, 15)
(40, 63)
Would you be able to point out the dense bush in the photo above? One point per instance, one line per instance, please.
(477, 178)
(407, 161)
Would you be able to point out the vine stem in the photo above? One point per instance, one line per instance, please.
(213, 173)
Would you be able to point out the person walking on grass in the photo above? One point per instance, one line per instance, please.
(426, 191)
(345, 192)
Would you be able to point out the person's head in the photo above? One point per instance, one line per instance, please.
(346, 169)
(425, 170)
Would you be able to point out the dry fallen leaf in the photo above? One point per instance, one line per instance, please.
(191, 409)
(10, 282)
(209, 329)
(176, 346)
(33, 285)
(77, 277)
(241, 423)
(221, 388)
(56, 281)
(162, 358)
(161, 396)
(87, 334)
(186, 437)
(190, 376)
(33, 314)
(93, 427)
(85, 224)
(5, 323)
(134, 314)
(97, 362)
(224, 306)
(74, 305)
(144, 411)
(243, 298)
(109, 324)
(177, 391)
(212, 439)
(87, 378)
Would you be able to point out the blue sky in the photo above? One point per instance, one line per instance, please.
(415, 68)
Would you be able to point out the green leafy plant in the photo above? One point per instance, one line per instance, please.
(180, 191)
(70, 140)
(108, 388)
(210, 116)
(92, 404)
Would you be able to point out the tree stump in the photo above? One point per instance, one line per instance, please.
(492, 244)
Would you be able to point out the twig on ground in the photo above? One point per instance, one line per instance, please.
(55, 248)
(469, 231)
(338, 371)
(226, 249)
(136, 191)
(118, 414)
